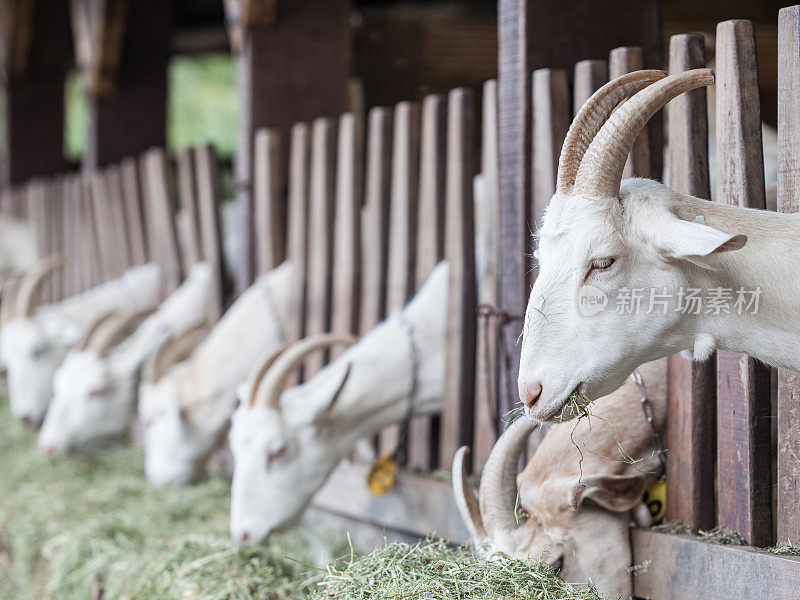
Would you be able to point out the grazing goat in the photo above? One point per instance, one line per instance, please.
(286, 443)
(578, 490)
(33, 345)
(185, 411)
(602, 243)
(96, 385)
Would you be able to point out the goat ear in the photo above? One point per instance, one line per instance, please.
(617, 493)
(332, 390)
(694, 240)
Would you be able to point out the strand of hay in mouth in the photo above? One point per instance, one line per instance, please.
(70, 523)
(432, 570)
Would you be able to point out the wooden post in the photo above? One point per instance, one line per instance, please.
(208, 200)
(375, 218)
(119, 218)
(136, 216)
(320, 235)
(459, 386)
(187, 197)
(743, 386)
(691, 386)
(269, 201)
(71, 239)
(403, 222)
(487, 357)
(590, 76)
(620, 61)
(422, 449)
(536, 34)
(297, 234)
(295, 70)
(788, 515)
(345, 297)
(122, 49)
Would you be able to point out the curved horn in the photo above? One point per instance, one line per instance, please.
(114, 331)
(498, 491)
(258, 375)
(591, 117)
(600, 172)
(91, 330)
(32, 283)
(171, 351)
(269, 392)
(466, 502)
(8, 297)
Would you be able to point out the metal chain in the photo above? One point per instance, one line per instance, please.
(486, 312)
(647, 407)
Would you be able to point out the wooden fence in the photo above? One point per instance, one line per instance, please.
(366, 209)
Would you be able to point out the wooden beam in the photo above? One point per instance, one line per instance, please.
(743, 386)
(16, 37)
(590, 76)
(620, 61)
(187, 199)
(241, 15)
(691, 386)
(136, 217)
(165, 248)
(788, 515)
(459, 386)
(297, 233)
(682, 567)
(98, 31)
(269, 201)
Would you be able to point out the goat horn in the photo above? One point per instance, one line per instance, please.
(32, 283)
(8, 296)
(600, 172)
(114, 331)
(591, 117)
(171, 351)
(91, 330)
(269, 392)
(498, 491)
(258, 375)
(466, 502)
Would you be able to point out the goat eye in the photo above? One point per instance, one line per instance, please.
(600, 264)
(38, 350)
(98, 392)
(276, 453)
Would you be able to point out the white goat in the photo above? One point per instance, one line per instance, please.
(185, 412)
(600, 241)
(578, 490)
(96, 385)
(33, 345)
(286, 444)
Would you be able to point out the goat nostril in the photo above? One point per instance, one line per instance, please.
(532, 394)
(244, 537)
(30, 422)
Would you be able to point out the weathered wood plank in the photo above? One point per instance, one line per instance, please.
(459, 387)
(102, 216)
(691, 386)
(620, 61)
(269, 201)
(590, 75)
(681, 567)
(71, 237)
(187, 199)
(743, 386)
(347, 228)
(375, 218)
(135, 215)
(57, 231)
(487, 358)
(297, 234)
(206, 169)
(92, 268)
(402, 223)
(322, 193)
(788, 513)
(119, 219)
(422, 450)
(165, 249)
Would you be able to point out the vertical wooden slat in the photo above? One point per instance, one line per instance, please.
(620, 61)
(320, 232)
(119, 218)
(691, 386)
(422, 450)
(162, 209)
(91, 248)
(57, 231)
(208, 200)
(347, 228)
(375, 218)
(459, 386)
(487, 207)
(105, 234)
(590, 76)
(71, 239)
(297, 235)
(269, 201)
(743, 386)
(402, 222)
(788, 515)
(134, 211)
(187, 197)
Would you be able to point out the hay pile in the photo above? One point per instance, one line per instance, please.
(69, 526)
(434, 571)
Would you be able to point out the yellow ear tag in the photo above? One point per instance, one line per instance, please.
(382, 475)
(655, 497)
